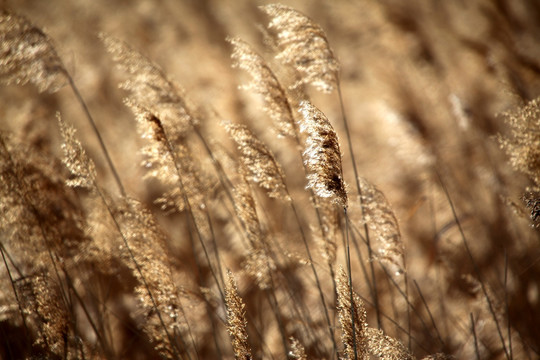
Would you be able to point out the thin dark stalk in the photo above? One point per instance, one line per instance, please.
(171, 150)
(475, 266)
(215, 246)
(28, 202)
(429, 313)
(405, 296)
(476, 351)
(418, 342)
(87, 314)
(97, 133)
(355, 230)
(317, 281)
(227, 185)
(272, 300)
(508, 325)
(19, 304)
(349, 273)
(359, 189)
(209, 309)
(138, 269)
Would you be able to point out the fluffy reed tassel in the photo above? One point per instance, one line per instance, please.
(257, 264)
(156, 289)
(27, 55)
(322, 155)
(380, 219)
(161, 161)
(236, 320)
(150, 88)
(304, 45)
(81, 167)
(297, 350)
(266, 84)
(522, 144)
(350, 315)
(386, 347)
(260, 161)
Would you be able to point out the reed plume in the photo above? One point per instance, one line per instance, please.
(161, 158)
(27, 55)
(522, 144)
(156, 289)
(322, 155)
(149, 87)
(258, 263)
(386, 347)
(41, 231)
(263, 167)
(383, 225)
(353, 319)
(297, 350)
(266, 84)
(81, 167)
(304, 46)
(236, 320)
(87, 273)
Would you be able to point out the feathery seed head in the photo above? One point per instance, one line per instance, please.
(349, 313)
(304, 45)
(27, 55)
(236, 320)
(378, 215)
(82, 168)
(322, 155)
(266, 84)
(260, 161)
(149, 87)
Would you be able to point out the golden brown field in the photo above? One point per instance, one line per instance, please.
(199, 179)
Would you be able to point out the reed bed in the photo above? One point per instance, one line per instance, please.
(315, 180)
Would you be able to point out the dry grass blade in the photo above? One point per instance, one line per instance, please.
(304, 45)
(27, 55)
(260, 161)
(322, 155)
(236, 320)
(266, 84)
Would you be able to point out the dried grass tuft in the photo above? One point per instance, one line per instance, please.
(263, 167)
(266, 84)
(81, 167)
(27, 55)
(236, 320)
(352, 317)
(303, 44)
(322, 155)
